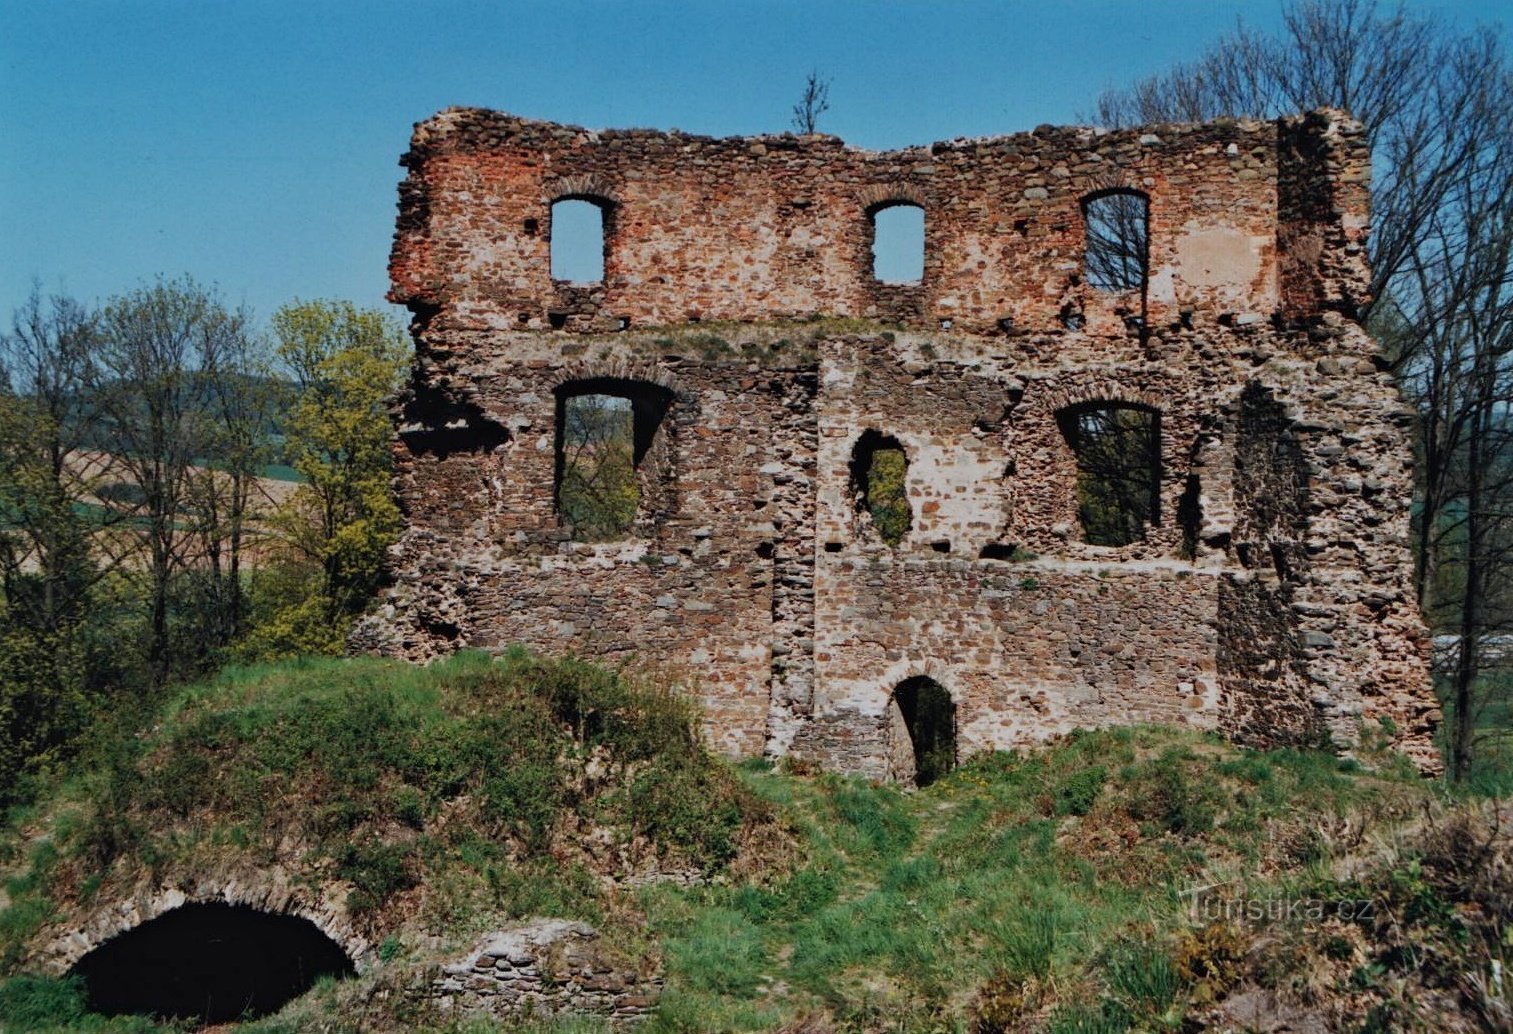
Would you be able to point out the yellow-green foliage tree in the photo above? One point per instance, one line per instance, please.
(597, 493)
(347, 363)
(888, 496)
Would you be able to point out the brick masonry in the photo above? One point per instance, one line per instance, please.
(1270, 599)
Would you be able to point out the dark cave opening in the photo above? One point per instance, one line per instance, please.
(209, 962)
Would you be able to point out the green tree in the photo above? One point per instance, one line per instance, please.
(597, 493)
(888, 496)
(46, 364)
(1118, 471)
(347, 364)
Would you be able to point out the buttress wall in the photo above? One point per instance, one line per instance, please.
(1267, 597)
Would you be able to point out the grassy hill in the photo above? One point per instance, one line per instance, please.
(1132, 879)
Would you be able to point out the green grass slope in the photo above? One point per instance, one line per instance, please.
(1130, 879)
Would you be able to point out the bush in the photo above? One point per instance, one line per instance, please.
(359, 758)
(1002, 1002)
(1166, 791)
(1076, 793)
(376, 871)
(693, 808)
(1209, 961)
(32, 1003)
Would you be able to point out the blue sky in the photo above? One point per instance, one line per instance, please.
(252, 143)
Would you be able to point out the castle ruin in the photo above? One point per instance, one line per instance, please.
(1145, 464)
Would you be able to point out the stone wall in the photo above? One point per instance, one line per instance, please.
(1268, 598)
(541, 968)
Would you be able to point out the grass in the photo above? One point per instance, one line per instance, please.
(1060, 868)
(453, 787)
(1042, 890)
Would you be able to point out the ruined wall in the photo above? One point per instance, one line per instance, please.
(1266, 597)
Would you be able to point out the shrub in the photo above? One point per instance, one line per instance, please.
(376, 871)
(32, 1003)
(1002, 1002)
(1076, 793)
(693, 808)
(360, 758)
(1208, 960)
(1165, 791)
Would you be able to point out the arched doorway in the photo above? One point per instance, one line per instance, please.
(929, 715)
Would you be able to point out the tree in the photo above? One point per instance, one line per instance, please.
(1437, 107)
(347, 363)
(1118, 451)
(241, 396)
(814, 103)
(150, 386)
(48, 569)
(46, 365)
(597, 494)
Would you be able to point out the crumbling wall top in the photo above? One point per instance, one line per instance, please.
(1241, 217)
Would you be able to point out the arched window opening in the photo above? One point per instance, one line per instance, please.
(1117, 240)
(608, 459)
(879, 484)
(1118, 450)
(930, 716)
(898, 243)
(210, 963)
(578, 240)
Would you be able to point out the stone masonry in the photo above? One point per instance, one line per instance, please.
(1268, 598)
(544, 967)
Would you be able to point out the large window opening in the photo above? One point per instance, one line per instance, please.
(578, 236)
(879, 484)
(209, 963)
(930, 716)
(898, 243)
(611, 461)
(1117, 233)
(1118, 450)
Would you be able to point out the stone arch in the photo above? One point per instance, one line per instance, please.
(886, 195)
(326, 911)
(582, 187)
(1104, 390)
(626, 368)
(922, 729)
(1107, 179)
(210, 963)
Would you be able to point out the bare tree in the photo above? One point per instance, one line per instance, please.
(814, 103)
(239, 393)
(46, 363)
(1437, 106)
(149, 387)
